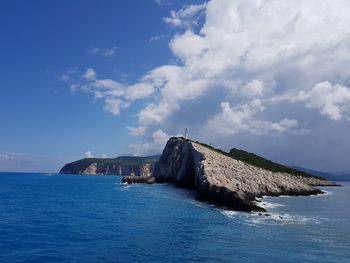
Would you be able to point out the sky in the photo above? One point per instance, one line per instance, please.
(90, 78)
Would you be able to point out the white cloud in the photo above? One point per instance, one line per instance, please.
(332, 100)
(104, 156)
(255, 88)
(242, 118)
(68, 76)
(116, 95)
(90, 74)
(297, 46)
(139, 91)
(188, 46)
(88, 154)
(156, 38)
(154, 146)
(137, 131)
(185, 17)
(105, 52)
(248, 67)
(113, 105)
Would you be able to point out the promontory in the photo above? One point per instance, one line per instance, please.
(123, 165)
(221, 178)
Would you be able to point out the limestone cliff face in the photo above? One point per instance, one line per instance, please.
(132, 166)
(222, 180)
(144, 170)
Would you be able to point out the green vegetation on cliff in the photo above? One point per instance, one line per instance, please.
(258, 161)
(81, 165)
(261, 162)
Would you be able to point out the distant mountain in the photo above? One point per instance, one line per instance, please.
(123, 165)
(261, 162)
(330, 176)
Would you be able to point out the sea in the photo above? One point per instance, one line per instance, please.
(72, 218)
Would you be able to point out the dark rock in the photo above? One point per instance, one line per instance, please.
(138, 180)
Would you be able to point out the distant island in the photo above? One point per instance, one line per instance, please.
(123, 165)
(231, 179)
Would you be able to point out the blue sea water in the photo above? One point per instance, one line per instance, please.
(70, 218)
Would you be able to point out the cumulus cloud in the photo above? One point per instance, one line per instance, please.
(332, 100)
(154, 146)
(137, 131)
(90, 74)
(116, 95)
(105, 52)
(88, 154)
(187, 16)
(231, 121)
(297, 46)
(139, 91)
(254, 88)
(257, 66)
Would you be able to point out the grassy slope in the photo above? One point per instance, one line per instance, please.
(259, 161)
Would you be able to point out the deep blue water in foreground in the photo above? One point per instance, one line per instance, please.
(67, 218)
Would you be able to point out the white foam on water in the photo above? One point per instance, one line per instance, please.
(199, 204)
(325, 193)
(280, 219)
(268, 205)
(126, 187)
(229, 213)
(270, 217)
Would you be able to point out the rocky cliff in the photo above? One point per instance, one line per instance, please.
(220, 179)
(125, 165)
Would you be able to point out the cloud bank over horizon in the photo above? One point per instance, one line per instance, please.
(257, 74)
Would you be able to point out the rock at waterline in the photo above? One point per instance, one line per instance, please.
(138, 180)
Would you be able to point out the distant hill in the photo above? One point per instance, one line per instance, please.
(123, 165)
(261, 162)
(330, 176)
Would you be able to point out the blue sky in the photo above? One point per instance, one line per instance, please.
(106, 78)
(43, 40)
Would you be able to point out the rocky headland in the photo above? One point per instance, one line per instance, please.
(124, 165)
(224, 180)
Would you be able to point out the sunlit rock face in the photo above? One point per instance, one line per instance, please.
(219, 179)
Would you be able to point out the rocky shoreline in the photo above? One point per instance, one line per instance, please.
(224, 181)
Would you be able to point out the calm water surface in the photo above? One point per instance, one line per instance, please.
(69, 218)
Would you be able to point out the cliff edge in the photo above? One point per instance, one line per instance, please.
(124, 165)
(220, 179)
